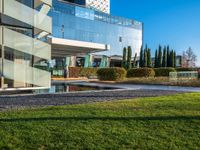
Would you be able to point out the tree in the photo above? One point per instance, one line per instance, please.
(189, 58)
(134, 60)
(168, 56)
(160, 56)
(124, 61)
(164, 60)
(145, 58)
(129, 58)
(149, 63)
(174, 59)
(141, 57)
(156, 59)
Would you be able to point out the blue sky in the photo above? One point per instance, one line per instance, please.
(173, 22)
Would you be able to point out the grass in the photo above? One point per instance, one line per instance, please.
(168, 122)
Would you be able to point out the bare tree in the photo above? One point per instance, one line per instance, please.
(189, 58)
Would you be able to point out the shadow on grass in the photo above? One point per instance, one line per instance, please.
(162, 118)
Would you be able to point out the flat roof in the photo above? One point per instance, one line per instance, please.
(66, 47)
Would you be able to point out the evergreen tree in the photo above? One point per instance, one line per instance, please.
(164, 60)
(124, 61)
(141, 57)
(171, 58)
(156, 59)
(145, 58)
(160, 56)
(134, 61)
(149, 63)
(129, 57)
(168, 56)
(174, 59)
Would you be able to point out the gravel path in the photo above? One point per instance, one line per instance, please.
(8, 102)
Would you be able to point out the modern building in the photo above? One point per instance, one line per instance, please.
(78, 32)
(79, 29)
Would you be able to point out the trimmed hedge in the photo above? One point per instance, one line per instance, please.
(111, 74)
(87, 72)
(140, 72)
(163, 72)
(186, 69)
(74, 72)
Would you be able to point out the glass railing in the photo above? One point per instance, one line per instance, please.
(90, 14)
(27, 15)
(26, 75)
(26, 44)
(0, 6)
(48, 2)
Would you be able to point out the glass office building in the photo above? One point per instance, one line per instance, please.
(29, 38)
(83, 24)
(24, 51)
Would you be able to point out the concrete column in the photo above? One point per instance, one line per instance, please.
(104, 62)
(88, 60)
(2, 56)
(73, 61)
(67, 61)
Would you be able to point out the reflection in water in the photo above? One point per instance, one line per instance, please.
(65, 88)
(59, 88)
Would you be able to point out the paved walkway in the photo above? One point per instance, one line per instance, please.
(7, 102)
(142, 87)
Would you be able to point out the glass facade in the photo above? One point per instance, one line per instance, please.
(79, 23)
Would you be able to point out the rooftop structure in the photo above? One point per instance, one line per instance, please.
(99, 5)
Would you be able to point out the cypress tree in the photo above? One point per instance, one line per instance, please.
(160, 56)
(174, 59)
(168, 56)
(141, 57)
(145, 58)
(171, 58)
(129, 57)
(156, 59)
(149, 58)
(134, 61)
(124, 61)
(164, 60)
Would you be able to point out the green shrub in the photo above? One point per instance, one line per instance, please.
(111, 74)
(140, 72)
(163, 72)
(87, 72)
(186, 69)
(74, 72)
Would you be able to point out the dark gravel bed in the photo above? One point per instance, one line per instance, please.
(8, 102)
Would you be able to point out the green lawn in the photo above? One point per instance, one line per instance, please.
(168, 122)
